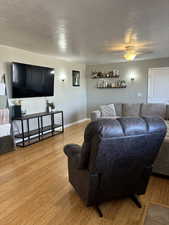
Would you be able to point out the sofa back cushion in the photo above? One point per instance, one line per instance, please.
(108, 110)
(153, 109)
(131, 110)
(118, 108)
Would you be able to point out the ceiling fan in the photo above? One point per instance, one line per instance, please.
(131, 48)
(130, 53)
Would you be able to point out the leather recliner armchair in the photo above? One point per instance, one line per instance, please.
(115, 159)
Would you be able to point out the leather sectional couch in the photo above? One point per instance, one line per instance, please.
(121, 109)
(161, 165)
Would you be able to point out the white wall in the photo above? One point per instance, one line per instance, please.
(72, 100)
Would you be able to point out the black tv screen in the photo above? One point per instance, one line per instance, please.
(32, 81)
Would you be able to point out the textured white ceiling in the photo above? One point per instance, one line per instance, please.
(84, 30)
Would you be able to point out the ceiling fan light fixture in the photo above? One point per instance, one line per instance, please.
(130, 56)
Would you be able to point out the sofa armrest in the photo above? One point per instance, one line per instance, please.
(73, 152)
(167, 112)
(95, 115)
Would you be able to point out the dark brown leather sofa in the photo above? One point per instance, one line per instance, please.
(115, 159)
(161, 165)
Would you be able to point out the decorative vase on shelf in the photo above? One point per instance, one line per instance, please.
(123, 83)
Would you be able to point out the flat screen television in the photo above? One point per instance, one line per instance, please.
(32, 81)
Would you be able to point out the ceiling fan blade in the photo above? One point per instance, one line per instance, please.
(144, 52)
(130, 37)
(117, 51)
(110, 51)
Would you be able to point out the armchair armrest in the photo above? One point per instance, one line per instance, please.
(95, 115)
(73, 152)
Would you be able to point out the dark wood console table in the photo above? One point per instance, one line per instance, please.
(42, 132)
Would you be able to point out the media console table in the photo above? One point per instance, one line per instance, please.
(42, 131)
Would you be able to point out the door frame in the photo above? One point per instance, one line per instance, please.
(149, 71)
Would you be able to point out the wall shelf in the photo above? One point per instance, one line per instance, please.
(111, 87)
(108, 80)
(103, 77)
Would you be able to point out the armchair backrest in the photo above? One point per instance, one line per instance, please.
(122, 152)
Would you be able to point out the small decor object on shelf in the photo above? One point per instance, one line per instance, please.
(16, 109)
(104, 83)
(75, 78)
(50, 106)
(111, 74)
(18, 102)
(94, 75)
(123, 83)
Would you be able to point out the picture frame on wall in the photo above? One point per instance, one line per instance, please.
(75, 78)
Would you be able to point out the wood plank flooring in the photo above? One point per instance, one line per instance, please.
(34, 189)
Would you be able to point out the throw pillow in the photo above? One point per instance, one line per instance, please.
(108, 110)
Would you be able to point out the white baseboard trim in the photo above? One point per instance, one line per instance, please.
(76, 122)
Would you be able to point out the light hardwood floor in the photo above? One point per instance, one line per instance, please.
(34, 189)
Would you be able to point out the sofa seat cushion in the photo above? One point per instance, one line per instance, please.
(131, 110)
(108, 110)
(153, 110)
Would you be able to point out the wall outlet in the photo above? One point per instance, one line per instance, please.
(139, 94)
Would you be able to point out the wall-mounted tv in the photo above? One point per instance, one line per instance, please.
(32, 81)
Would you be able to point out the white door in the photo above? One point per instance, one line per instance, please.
(158, 85)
